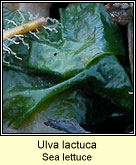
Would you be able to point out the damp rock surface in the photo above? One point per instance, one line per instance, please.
(120, 12)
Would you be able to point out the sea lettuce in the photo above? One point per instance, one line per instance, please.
(58, 75)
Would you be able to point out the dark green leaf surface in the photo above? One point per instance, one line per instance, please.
(84, 59)
(87, 34)
(27, 93)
